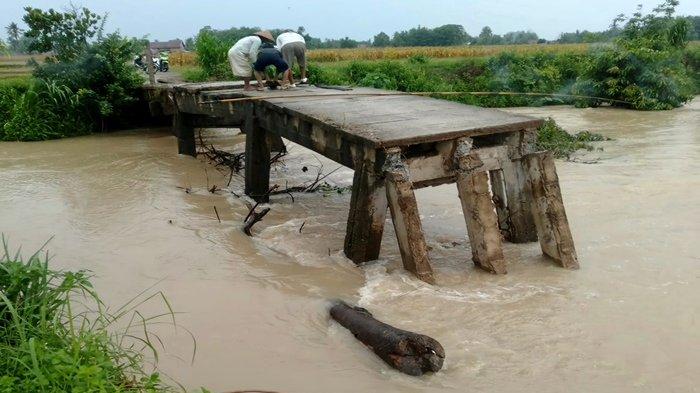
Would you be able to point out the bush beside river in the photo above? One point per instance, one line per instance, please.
(87, 86)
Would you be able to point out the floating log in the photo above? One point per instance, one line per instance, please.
(411, 353)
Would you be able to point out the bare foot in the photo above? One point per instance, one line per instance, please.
(259, 88)
(248, 88)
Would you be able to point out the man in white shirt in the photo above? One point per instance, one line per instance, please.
(293, 48)
(244, 53)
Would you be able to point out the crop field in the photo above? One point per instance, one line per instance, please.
(16, 67)
(438, 52)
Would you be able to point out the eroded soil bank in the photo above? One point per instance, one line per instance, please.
(627, 321)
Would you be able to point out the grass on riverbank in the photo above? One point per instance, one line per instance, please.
(56, 335)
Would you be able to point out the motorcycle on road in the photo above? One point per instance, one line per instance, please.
(159, 64)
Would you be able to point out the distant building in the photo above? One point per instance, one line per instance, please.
(168, 46)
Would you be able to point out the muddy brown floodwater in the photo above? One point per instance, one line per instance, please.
(628, 321)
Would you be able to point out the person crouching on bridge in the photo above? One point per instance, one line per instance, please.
(293, 48)
(244, 53)
(270, 56)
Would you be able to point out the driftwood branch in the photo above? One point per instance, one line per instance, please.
(235, 162)
(254, 216)
(410, 353)
(253, 219)
(220, 158)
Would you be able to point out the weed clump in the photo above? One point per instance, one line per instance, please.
(550, 136)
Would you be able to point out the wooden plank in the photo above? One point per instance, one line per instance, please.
(425, 169)
(479, 212)
(449, 120)
(406, 219)
(194, 88)
(315, 136)
(257, 158)
(380, 121)
(521, 223)
(498, 195)
(368, 206)
(553, 229)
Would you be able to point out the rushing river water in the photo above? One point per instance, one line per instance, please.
(629, 320)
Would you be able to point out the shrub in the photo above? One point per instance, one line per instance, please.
(10, 89)
(418, 59)
(644, 69)
(70, 98)
(212, 56)
(390, 75)
(83, 86)
(691, 60)
(109, 84)
(639, 78)
(319, 75)
(47, 110)
(194, 74)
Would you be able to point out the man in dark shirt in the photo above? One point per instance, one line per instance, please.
(270, 56)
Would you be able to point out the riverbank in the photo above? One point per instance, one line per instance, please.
(257, 306)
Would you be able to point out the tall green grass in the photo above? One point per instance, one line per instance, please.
(44, 110)
(56, 334)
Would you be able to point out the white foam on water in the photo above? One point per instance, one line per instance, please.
(314, 246)
(383, 286)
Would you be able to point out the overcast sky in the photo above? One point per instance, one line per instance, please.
(359, 19)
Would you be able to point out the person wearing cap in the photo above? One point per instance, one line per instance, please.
(271, 56)
(244, 53)
(293, 48)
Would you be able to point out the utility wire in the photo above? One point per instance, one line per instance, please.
(421, 93)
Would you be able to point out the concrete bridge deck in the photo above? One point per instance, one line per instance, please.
(395, 143)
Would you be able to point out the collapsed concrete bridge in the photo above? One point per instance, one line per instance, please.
(395, 143)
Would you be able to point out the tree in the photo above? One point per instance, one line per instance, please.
(14, 34)
(190, 43)
(381, 40)
(486, 37)
(348, 42)
(445, 35)
(520, 37)
(66, 34)
(450, 35)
